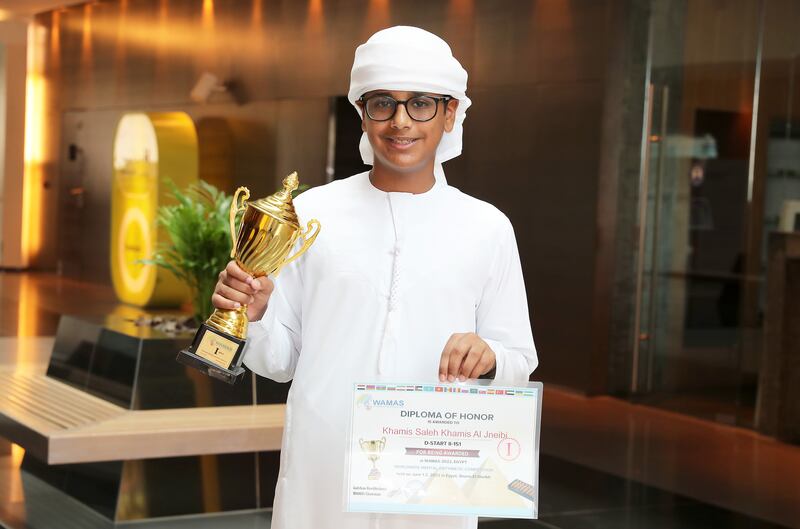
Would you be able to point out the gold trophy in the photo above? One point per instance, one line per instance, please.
(373, 449)
(267, 233)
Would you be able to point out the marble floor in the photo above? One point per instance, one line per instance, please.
(605, 463)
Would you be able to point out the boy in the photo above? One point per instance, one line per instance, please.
(409, 278)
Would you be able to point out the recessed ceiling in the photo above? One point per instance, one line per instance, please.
(28, 8)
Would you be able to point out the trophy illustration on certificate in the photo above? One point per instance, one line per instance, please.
(373, 449)
(268, 231)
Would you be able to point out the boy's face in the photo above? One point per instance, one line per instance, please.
(401, 143)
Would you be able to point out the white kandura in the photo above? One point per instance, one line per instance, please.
(389, 279)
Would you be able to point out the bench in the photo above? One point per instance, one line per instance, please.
(60, 424)
(115, 421)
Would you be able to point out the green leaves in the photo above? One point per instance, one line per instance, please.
(200, 241)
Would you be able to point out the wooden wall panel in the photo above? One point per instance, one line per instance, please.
(537, 77)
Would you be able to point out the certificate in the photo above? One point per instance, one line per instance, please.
(452, 449)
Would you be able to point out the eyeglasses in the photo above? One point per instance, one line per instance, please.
(419, 108)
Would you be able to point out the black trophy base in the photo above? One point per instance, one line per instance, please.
(217, 354)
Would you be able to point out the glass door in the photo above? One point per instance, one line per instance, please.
(698, 277)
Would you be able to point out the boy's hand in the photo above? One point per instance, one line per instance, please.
(236, 288)
(465, 356)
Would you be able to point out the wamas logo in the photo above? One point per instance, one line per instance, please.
(367, 402)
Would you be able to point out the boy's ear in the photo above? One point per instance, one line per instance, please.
(450, 115)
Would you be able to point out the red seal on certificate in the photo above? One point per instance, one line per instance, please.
(508, 449)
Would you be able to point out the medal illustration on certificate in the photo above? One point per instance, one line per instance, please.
(451, 449)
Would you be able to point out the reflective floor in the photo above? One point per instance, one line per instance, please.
(733, 468)
(606, 463)
(572, 497)
(30, 304)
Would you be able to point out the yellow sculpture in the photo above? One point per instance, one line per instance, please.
(148, 149)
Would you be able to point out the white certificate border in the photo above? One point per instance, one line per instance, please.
(538, 388)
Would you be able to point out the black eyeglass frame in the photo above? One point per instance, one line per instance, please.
(398, 102)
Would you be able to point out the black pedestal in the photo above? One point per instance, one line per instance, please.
(135, 368)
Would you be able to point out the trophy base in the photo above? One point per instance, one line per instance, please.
(231, 376)
(216, 354)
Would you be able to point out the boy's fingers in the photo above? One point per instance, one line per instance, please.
(473, 358)
(444, 361)
(220, 302)
(485, 365)
(263, 284)
(235, 284)
(235, 272)
(459, 351)
(232, 294)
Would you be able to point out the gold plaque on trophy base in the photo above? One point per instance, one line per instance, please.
(267, 233)
(215, 353)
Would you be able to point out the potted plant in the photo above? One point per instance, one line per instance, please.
(200, 247)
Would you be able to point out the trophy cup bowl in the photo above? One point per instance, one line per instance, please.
(267, 233)
(373, 448)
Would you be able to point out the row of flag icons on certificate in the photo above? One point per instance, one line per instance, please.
(446, 389)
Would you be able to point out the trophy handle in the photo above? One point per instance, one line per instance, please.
(235, 207)
(308, 240)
